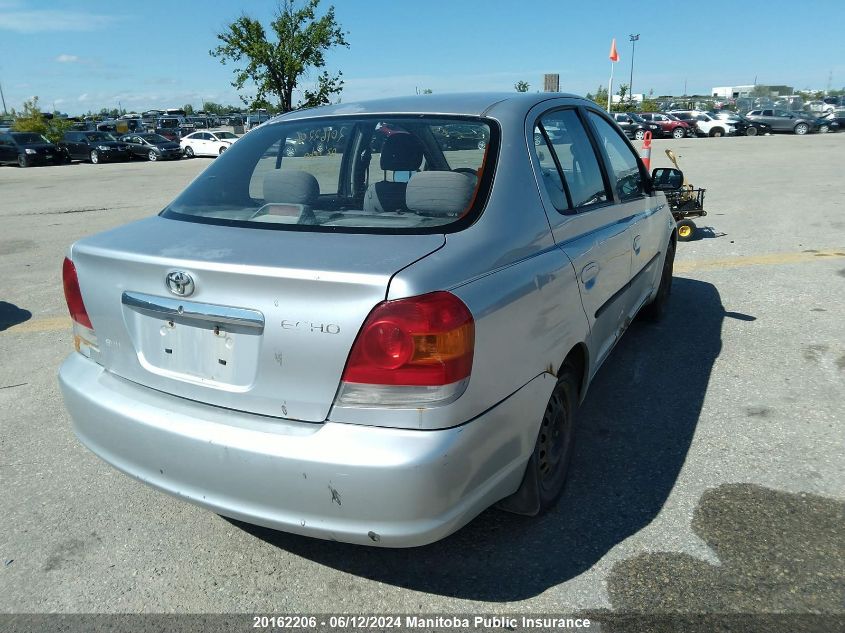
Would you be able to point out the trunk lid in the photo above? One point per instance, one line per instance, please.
(268, 325)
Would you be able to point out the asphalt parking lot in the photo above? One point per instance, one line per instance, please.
(708, 474)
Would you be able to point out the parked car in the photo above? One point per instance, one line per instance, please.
(705, 124)
(742, 126)
(669, 126)
(96, 147)
(635, 127)
(211, 143)
(25, 149)
(152, 146)
(298, 344)
(835, 121)
(461, 136)
(784, 121)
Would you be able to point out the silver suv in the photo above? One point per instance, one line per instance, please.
(370, 346)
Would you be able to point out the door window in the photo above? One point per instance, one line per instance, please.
(568, 162)
(626, 176)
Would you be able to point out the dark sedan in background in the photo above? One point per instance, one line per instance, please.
(635, 126)
(151, 146)
(27, 148)
(94, 146)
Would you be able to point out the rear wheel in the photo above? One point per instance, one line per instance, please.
(801, 129)
(545, 474)
(678, 133)
(22, 161)
(686, 229)
(824, 129)
(94, 156)
(751, 131)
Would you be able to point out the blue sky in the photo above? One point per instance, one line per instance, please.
(93, 54)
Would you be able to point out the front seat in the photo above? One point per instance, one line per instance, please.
(400, 152)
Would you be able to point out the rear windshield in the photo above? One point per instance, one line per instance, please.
(387, 174)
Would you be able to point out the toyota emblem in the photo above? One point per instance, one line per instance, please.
(180, 283)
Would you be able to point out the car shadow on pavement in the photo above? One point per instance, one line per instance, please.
(10, 315)
(634, 431)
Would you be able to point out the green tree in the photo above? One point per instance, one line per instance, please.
(600, 97)
(760, 90)
(188, 108)
(276, 67)
(32, 120)
(521, 86)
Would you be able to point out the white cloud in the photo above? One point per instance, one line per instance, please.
(67, 59)
(83, 97)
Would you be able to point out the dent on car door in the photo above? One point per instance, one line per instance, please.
(592, 231)
(650, 222)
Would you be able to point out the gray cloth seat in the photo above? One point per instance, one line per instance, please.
(440, 193)
(400, 152)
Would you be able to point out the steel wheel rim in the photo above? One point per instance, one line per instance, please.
(153, 156)
(553, 442)
(678, 133)
(685, 231)
(639, 136)
(95, 157)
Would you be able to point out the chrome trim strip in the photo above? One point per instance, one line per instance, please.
(194, 310)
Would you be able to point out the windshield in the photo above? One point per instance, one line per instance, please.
(25, 138)
(154, 138)
(99, 136)
(383, 174)
(636, 117)
(226, 135)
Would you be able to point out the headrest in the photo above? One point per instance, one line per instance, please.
(401, 152)
(440, 192)
(296, 187)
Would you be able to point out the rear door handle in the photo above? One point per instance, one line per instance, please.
(637, 244)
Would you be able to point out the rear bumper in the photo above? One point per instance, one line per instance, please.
(359, 484)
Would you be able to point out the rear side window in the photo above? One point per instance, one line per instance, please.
(386, 174)
(625, 177)
(565, 146)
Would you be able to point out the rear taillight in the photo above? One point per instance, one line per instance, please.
(411, 352)
(73, 295)
(84, 338)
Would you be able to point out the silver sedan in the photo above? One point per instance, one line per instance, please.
(375, 342)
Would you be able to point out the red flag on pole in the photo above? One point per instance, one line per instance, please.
(614, 56)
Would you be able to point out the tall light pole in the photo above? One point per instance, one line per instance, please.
(633, 38)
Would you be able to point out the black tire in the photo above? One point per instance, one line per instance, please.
(824, 128)
(686, 230)
(189, 152)
(553, 449)
(801, 129)
(655, 310)
(717, 132)
(289, 151)
(751, 131)
(152, 155)
(22, 161)
(222, 149)
(678, 133)
(639, 135)
(94, 157)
